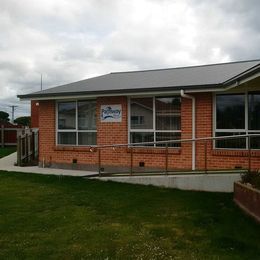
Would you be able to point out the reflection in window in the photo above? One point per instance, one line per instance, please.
(87, 115)
(233, 117)
(67, 138)
(155, 119)
(140, 137)
(86, 138)
(141, 113)
(238, 143)
(165, 136)
(230, 111)
(137, 121)
(255, 141)
(254, 111)
(168, 113)
(77, 132)
(67, 115)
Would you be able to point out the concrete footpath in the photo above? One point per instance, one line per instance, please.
(7, 164)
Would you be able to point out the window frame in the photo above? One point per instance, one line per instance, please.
(76, 130)
(153, 130)
(245, 130)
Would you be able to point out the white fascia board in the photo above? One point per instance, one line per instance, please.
(104, 95)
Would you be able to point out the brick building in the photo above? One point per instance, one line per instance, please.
(8, 134)
(149, 106)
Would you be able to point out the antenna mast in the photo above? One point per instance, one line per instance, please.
(41, 81)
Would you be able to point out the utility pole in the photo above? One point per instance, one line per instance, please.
(13, 108)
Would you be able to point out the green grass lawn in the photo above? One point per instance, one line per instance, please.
(6, 151)
(44, 217)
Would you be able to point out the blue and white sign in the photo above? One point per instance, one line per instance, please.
(111, 113)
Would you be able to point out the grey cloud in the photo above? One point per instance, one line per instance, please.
(72, 40)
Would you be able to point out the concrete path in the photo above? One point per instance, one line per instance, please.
(202, 182)
(7, 164)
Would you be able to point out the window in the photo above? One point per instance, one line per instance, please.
(76, 123)
(237, 114)
(155, 119)
(137, 121)
(142, 108)
(254, 111)
(227, 107)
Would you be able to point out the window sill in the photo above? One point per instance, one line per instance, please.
(74, 148)
(154, 150)
(235, 153)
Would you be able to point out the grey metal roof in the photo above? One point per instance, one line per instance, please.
(214, 75)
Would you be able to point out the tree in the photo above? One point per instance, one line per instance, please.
(23, 120)
(4, 116)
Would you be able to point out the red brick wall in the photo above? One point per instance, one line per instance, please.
(117, 133)
(216, 159)
(10, 136)
(48, 152)
(113, 133)
(34, 114)
(248, 199)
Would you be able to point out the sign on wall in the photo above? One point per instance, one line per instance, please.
(111, 113)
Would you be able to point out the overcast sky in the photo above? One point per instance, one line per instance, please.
(70, 40)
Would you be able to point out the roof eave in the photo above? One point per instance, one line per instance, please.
(246, 76)
(127, 92)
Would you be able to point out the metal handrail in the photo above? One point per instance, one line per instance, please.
(176, 141)
(204, 139)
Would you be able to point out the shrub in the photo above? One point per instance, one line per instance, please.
(253, 178)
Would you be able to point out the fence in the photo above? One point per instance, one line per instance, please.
(166, 146)
(27, 147)
(9, 135)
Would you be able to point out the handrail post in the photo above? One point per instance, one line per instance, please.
(29, 145)
(249, 153)
(131, 163)
(205, 157)
(26, 147)
(166, 158)
(19, 151)
(99, 162)
(33, 145)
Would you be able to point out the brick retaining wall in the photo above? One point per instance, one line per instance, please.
(248, 199)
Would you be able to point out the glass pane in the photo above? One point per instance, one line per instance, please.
(254, 111)
(255, 141)
(67, 115)
(141, 113)
(89, 138)
(167, 137)
(66, 138)
(230, 111)
(168, 113)
(87, 115)
(142, 137)
(238, 143)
